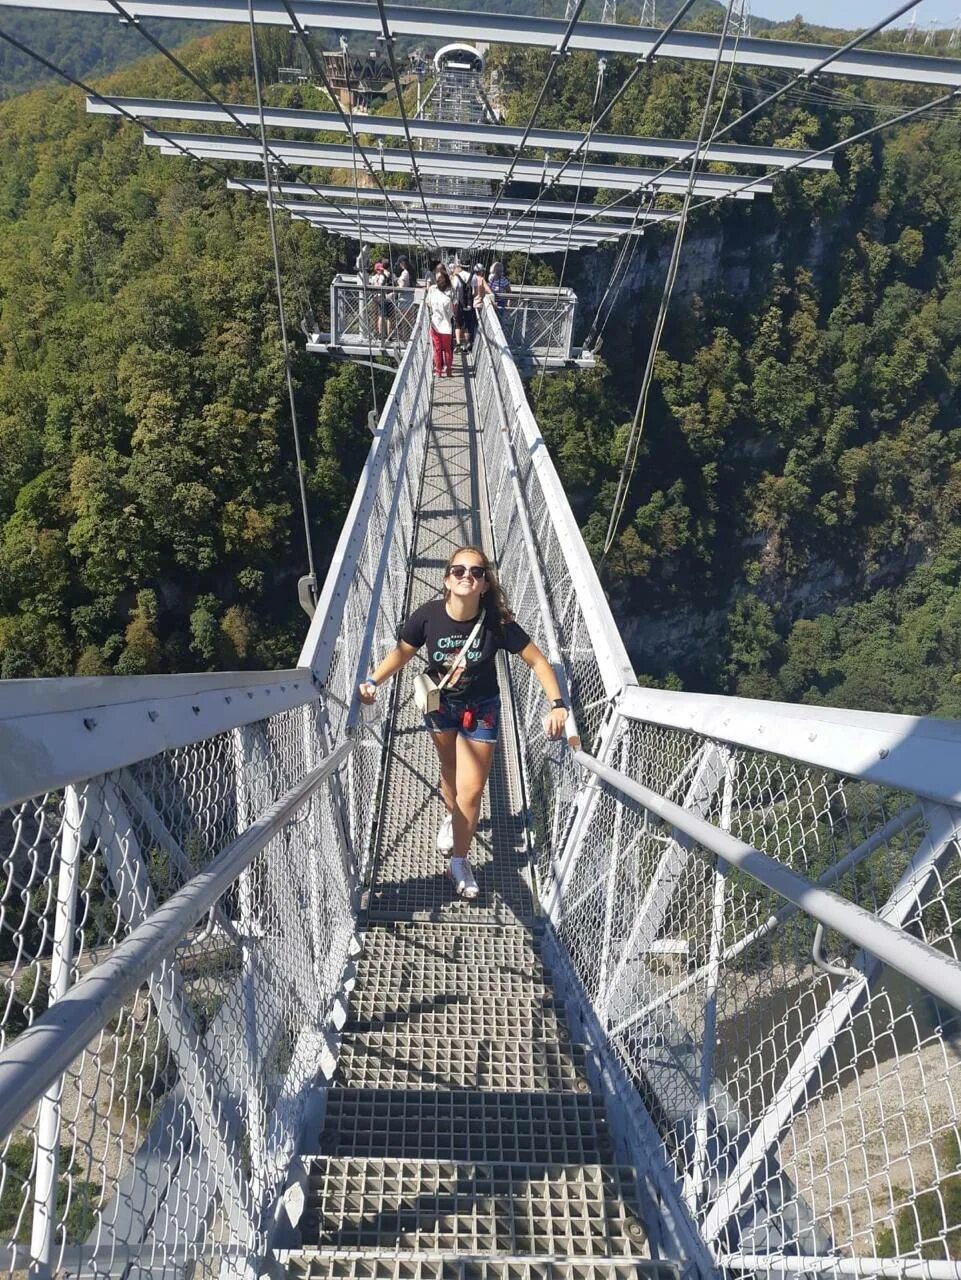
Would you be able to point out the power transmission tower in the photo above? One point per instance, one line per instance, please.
(649, 13)
(741, 20)
(931, 32)
(609, 12)
(955, 34)
(911, 30)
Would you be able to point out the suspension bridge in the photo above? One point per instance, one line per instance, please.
(702, 1018)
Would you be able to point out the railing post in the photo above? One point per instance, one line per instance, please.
(61, 964)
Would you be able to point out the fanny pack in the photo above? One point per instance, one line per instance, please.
(426, 692)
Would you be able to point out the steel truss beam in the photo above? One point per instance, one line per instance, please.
(470, 226)
(451, 131)
(455, 236)
(620, 213)
(467, 164)
(545, 33)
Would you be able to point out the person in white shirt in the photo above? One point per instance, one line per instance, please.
(383, 307)
(405, 298)
(441, 311)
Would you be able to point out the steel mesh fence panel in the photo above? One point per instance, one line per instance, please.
(559, 573)
(805, 1094)
(164, 1139)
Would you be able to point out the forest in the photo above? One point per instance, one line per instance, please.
(793, 518)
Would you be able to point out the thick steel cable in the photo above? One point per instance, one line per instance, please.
(637, 425)
(184, 70)
(557, 56)
(585, 142)
(268, 178)
(361, 258)
(626, 252)
(321, 72)
(389, 45)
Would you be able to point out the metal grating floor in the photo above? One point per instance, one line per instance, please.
(460, 1140)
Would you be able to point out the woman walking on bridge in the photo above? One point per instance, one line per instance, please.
(441, 310)
(463, 632)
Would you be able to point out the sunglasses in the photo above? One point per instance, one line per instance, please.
(476, 571)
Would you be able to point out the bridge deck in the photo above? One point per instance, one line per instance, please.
(461, 1131)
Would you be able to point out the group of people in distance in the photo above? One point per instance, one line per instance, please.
(453, 295)
(452, 301)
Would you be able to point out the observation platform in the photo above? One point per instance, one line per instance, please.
(373, 324)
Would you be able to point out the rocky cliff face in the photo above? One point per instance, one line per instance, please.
(688, 635)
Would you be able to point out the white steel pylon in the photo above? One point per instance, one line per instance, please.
(955, 40)
(649, 13)
(911, 30)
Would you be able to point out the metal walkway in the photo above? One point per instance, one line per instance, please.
(460, 1122)
(699, 1017)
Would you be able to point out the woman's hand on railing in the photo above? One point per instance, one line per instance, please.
(555, 721)
(367, 693)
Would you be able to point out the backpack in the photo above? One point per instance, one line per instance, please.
(458, 293)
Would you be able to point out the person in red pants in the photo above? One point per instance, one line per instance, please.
(441, 312)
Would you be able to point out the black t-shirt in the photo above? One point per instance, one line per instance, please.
(444, 637)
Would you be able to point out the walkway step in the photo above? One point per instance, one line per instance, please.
(467, 942)
(437, 1124)
(396, 1061)
(461, 1017)
(310, 1265)
(560, 1211)
(377, 984)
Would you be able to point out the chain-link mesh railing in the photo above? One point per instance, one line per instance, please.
(552, 586)
(376, 316)
(805, 1091)
(163, 1138)
(538, 323)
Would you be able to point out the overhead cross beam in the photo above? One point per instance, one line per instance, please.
(453, 231)
(545, 33)
(451, 131)
(369, 195)
(450, 164)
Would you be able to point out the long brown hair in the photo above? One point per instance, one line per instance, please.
(494, 595)
(445, 288)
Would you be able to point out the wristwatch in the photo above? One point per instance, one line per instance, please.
(558, 704)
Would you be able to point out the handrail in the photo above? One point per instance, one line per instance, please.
(42, 1053)
(615, 665)
(920, 754)
(919, 961)
(318, 649)
(61, 731)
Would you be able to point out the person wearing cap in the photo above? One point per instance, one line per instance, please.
(383, 307)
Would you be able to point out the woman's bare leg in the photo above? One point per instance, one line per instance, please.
(446, 744)
(474, 760)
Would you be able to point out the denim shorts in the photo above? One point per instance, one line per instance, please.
(486, 723)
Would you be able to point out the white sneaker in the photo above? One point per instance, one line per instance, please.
(458, 870)
(445, 835)
(470, 890)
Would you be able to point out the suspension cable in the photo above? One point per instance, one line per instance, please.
(552, 325)
(361, 259)
(637, 426)
(599, 119)
(184, 70)
(802, 76)
(321, 72)
(622, 264)
(557, 56)
(268, 178)
(389, 45)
